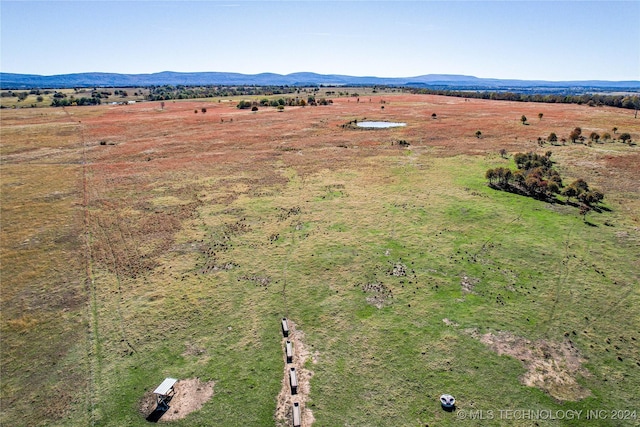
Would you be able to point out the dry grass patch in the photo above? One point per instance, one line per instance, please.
(552, 367)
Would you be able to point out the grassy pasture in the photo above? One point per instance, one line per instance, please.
(140, 243)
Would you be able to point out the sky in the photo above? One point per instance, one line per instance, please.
(530, 40)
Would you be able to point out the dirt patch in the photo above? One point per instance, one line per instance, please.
(301, 354)
(379, 294)
(551, 366)
(398, 269)
(190, 395)
(449, 322)
(468, 283)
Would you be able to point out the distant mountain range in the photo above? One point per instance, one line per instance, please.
(446, 81)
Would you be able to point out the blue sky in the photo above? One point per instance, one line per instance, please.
(545, 40)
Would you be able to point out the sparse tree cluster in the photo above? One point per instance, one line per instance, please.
(576, 136)
(282, 102)
(70, 101)
(536, 177)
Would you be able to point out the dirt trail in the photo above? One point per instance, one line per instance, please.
(285, 402)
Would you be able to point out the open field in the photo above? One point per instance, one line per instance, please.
(139, 243)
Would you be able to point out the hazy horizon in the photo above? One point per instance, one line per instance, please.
(523, 40)
(322, 74)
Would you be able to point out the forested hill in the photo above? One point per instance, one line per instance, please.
(442, 81)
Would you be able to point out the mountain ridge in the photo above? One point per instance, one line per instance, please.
(101, 79)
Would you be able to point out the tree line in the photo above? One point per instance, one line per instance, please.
(168, 92)
(283, 101)
(592, 99)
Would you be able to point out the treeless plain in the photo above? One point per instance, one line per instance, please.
(140, 242)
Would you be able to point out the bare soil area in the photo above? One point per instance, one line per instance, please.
(552, 367)
(190, 395)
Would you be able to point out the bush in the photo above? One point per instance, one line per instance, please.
(624, 137)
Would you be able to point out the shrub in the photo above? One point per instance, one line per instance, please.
(624, 137)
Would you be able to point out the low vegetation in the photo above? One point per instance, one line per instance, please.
(144, 241)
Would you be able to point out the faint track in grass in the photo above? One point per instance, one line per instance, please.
(119, 299)
(490, 239)
(608, 311)
(562, 279)
(92, 346)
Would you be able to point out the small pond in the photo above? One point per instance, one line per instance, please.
(379, 125)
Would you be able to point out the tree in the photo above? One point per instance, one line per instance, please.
(523, 119)
(518, 177)
(606, 136)
(584, 210)
(204, 110)
(569, 192)
(478, 134)
(434, 116)
(552, 137)
(552, 187)
(581, 185)
(40, 98)
(576, 189)
(540, 116)
(594, 137)
(625, 137)
(490, 175)
(254, 108)
(614, 129)
(575, 134)
(592, 197)
(503, 153)
(504, 175)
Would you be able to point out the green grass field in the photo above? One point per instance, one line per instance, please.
(401, 267)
